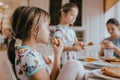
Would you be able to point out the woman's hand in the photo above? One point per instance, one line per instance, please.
(107, 44)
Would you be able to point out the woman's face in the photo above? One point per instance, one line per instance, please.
(43, 32)
(112, 29)
(70, 17)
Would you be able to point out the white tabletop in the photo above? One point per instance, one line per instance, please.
(93, 70)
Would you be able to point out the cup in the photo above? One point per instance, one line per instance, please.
(91, 56)
(90, 59)
(108, 53)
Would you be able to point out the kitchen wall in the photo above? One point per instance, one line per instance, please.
(93, 20)
(113, 12)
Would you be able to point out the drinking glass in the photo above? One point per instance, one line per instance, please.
(91, 54)
(108, 53)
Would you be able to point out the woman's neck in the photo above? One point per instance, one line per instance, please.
(115, 36)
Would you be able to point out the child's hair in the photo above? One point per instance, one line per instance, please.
(22, 20)
(68, 6)
(113, 21)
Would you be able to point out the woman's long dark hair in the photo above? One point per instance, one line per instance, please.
(22, 20)
(113, 21)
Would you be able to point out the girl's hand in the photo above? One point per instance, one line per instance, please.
(82, 45)
(57, 48)
(76, 48)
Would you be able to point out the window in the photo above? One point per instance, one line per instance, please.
(78, 21)
(80, 35)
(55, 6)
(54, 10)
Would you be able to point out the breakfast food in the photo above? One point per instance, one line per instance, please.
(54, 40)
(90, 59)
(114, 72)
(112, 60)
(90, 44)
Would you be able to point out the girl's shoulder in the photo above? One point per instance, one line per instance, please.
(59, 27)
(27, 53)
(23, 50)
(64, 28)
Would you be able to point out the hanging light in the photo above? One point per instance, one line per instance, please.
(1, 4)
(2, 8)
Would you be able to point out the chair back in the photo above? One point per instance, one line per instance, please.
(8, 70)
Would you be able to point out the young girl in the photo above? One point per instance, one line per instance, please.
(113, 41)
(30, 26)
(69, 12)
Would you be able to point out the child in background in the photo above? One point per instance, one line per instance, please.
(68, 15)
(30, 26)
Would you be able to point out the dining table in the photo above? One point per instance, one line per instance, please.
(93, 69)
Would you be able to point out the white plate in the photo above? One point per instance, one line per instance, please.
(90, 66)
(81, 59)
(103, 64)
(98, 73)
(98, 65)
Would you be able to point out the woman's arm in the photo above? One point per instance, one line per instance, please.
(103, 45)
(109, 44)
(101, 52)
(116, 50)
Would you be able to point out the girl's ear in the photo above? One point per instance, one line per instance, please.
(33, 31)
(62, 14)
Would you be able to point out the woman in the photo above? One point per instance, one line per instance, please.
(113, 41)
